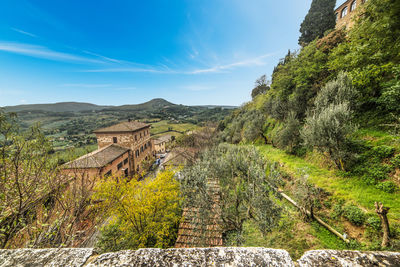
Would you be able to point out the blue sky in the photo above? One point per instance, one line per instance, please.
(126, 51)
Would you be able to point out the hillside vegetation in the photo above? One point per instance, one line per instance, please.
(330, 115)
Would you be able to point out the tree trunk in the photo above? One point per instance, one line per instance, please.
(265, 138)
(382, 212)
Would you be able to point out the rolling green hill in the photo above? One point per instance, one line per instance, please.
(70, 124)
(55, 107)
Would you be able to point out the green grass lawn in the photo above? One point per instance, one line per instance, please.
(351, 189)
(164, 125)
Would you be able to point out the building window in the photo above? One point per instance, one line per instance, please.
(137, 153)
(336, 16)
(119, 165)
(344, 12)
(353, 5)
(140, 135)
(135, 137)
(141, 149)
(115, 140)
(125, 161)
(108, 173)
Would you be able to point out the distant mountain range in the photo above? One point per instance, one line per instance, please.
(154, 104)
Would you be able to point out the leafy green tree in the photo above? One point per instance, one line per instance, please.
(289, 136)
(372, 50)
(261, 86)
(307, 195)
(337, 91)
(329, 124)
(144, 213)
(245, 190)
(318, 20)
(328, 131)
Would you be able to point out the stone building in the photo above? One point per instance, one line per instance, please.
(161, 142)
(106, 161)
(121, 150)
(346, 12)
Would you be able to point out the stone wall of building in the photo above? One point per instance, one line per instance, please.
(222, 256)
(347, 21)
(139, 142)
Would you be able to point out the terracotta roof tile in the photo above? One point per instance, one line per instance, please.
(98, 158)
(126, 126)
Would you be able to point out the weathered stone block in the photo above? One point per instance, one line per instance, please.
(44, 257)
(328, 258)
(196, 257)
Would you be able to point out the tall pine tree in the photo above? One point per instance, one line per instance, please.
(319, 19)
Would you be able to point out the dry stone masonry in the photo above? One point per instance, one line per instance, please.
(222, 256)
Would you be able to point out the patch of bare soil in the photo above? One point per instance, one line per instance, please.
(396, 177)
(354, 232)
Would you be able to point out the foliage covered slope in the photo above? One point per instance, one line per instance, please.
(333, 110)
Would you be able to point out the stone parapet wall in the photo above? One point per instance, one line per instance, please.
(223, 256)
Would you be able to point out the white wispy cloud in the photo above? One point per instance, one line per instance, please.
(44, 52)
(24, 32)
(257, 61)
(113, 60)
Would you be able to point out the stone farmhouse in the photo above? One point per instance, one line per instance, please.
(346, 12)
(121, 150)
(161, 142)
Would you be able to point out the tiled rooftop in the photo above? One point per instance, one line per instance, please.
(126, 126)
(98, 158)
(196, 231)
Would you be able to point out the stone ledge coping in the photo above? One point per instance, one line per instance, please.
(222, 256)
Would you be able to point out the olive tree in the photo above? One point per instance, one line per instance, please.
(329, 124)
(244, 190)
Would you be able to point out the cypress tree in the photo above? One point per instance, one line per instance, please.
(319, 19)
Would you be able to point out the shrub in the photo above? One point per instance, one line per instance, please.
(374, 222)
(375, 174)
(390, 97)
(338, 209)
(330, 41)
(387, 186)
(354, 214)
(383, 151)
(396, 161)
(144, 213)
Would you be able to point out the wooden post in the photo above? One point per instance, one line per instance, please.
(382, 212)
